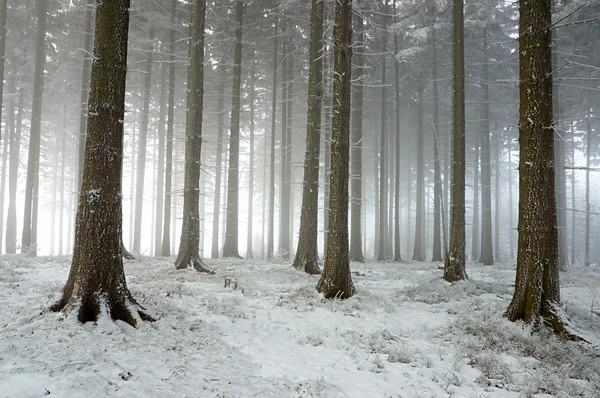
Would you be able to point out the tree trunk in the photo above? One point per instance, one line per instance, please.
(13, 169)
(5, 142)
(383, 183)
(498, 193)
(230, 245)
(271, 232)
(356, 252)
(29, 238)
(249, 250)
(419, 246)
(160, 169)
(214, 253)
(96, 281)
(189, 246)
(143, 134)
(336, 280)
(63, 166)
(397, 251)
(84, 88)
(537, 291)
(476, 232)
(327, 124)
(454, 266)
(307, 256)
(573, 210)
(588, 164)
(487, 247)
(510, 202)
(437, 175)
(166, 235)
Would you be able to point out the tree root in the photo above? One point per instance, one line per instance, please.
(309, 266)
(91, 309)
(196, 263)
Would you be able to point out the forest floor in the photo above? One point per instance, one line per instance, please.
(406, 333)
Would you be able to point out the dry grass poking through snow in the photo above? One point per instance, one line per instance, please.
(406, 333)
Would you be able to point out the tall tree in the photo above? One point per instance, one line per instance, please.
(383, 183)
(271, 231)
(437, 175)
(588, 164)
(29, 238)
(454, 265)
(214, 253)
(284, 190)
(96, 280)
(249, 254)
(160, 167)
(189, 246)
(306, 256)
(476, 234)
(419, 244)
(487, 250)
(143, 139)
(84, 88)
(537, 289)
(13, 170)
(356, 205)
(336, 280)
(165, 249)
(230, 245)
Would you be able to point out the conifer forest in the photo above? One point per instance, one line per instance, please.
(299, 198)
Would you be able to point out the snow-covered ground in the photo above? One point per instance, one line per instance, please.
(407, 333)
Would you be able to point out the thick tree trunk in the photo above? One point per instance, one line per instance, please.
(84, 88)
(497, 191)
(487, 247)
(271, 232)
(230, 245)
(419, 245)
(143, 139)
(454, 266)
(327, 125)
(29, 238)
(537, 289)
(166, 235)
(4, 138)
(63, 166)
(510, 202)
(396, 152)
(13, 170)
(356, 252)
(189, 246)
(336, 280)
(96, 280)
(307, 256)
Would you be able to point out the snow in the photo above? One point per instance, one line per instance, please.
(406, 333)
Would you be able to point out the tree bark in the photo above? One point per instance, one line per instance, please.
(307, 256)
(454, 266)
(29, 238)
(13, 172)
(356, 252)
(271, 232)
(383, 183)
(166, 235)
(487, 246)
(437, 175)
(96, 285)
(537, 291)
(249, 249)
(588, 164)
(419, 245)
(143, 135)
(336, 280)
(189, 246)
(160, 167)
(476, 232)
(230, 245)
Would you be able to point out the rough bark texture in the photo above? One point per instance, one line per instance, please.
(189, 246)
(336, 280)
(487, 247)
(537, 292)
(307, 255)
(165, 249)
(454, 266)
(96, 284)
(83, 95)
(230, 245)
(29, 237)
